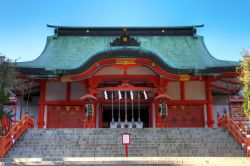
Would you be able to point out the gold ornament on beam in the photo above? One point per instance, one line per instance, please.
(67, 108)
(65, 79)
(125, 61)
(184, 77)
(125, 39)
(58, 108)
(62, 113)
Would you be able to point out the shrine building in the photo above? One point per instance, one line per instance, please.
(116, 77)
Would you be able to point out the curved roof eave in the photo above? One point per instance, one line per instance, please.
(38, 66)
(32, 63)
(126, 53)
(233, 63)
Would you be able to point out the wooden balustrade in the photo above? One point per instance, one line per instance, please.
(14, 134)
(240, 133)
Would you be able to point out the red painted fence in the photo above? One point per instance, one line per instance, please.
(182, 116)
(240, 133)
(14, 134)
(69, 117)
(6, 124)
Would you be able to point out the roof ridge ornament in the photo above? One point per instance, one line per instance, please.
(125, 40)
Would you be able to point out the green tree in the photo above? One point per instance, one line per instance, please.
(244, 78)
(7, 81)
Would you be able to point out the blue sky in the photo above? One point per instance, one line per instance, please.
(23, 28)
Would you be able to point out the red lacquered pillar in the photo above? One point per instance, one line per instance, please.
(210, 121)
(40, 121)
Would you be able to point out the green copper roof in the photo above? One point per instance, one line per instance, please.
(179, 52)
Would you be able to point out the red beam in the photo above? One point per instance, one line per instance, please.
(229, 81)
(113, 61)
(19, 92)
(123, 88)
(93, 68)
(219, 88)
(125, 76)
(230, 74)
(139, 61)
(152, 78)
(123, 101)
(171, 102)
(150, 64)
(65, 103)
(225, 89)
(24, 82)
(186, 102)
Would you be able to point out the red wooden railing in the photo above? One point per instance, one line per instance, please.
(240, 133)
(13, 135)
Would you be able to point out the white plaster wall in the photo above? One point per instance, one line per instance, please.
(55, 91)
(45, 116)
(173, 90)
(110, 71)
(220, 109)
(195, 90)
(32, 109)
(77, 90)
(205, 114)
(220, 99)
(220, 103)
(140, 70)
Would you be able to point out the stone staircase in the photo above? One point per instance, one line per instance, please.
(60, 144)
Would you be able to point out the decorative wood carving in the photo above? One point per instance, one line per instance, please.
(125, 40)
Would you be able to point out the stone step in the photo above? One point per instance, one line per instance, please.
(134, 152)
(201, 161)
(149, 144)
(56, 143)
(169, 146)
(137, 133)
